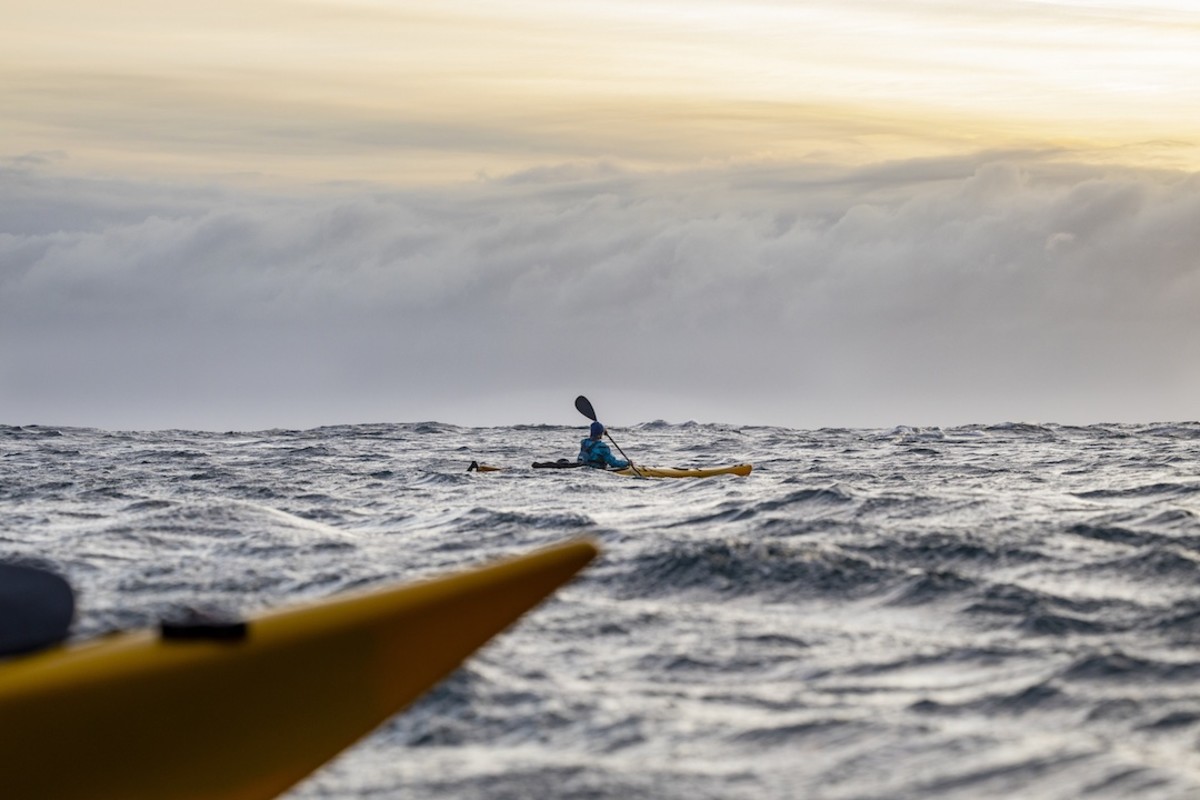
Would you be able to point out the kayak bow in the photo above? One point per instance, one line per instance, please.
(140, 717)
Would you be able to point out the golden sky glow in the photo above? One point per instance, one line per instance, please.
(428, 91)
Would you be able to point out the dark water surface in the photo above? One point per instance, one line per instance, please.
(990, 611)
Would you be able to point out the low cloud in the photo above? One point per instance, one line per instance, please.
(1002, 287)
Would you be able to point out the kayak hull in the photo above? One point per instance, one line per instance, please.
(137, 716)
(638, 471)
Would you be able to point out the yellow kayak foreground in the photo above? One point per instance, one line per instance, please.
(136, 716)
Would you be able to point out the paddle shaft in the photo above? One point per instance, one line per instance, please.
(622, 452)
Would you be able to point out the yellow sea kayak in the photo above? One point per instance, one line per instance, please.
(139, 717)
(638, 471)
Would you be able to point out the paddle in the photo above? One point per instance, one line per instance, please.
(36, 607)
(584, 406)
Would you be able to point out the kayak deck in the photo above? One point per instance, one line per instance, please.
(638, 471)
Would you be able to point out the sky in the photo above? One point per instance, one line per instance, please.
(290, 213)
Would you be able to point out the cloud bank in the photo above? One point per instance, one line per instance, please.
(1003, 286)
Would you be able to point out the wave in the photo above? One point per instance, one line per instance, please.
(1182, 518)
(429, 428)
(1135, 492)
(1105, 431)
(1112, 533)
(1024, 428)
(1171, 527)
(1121, 667)
(933, 551)
(148, 505)
(1154, 565)
(30, 432)
(477, 704)
(687, 425)
(217, 519)
(1187, 431)
(740, 567)
(931, 587)
(483, 519)
(461, 477)
(1043, 614)
(1180, 621)
(828, 731)
(903, 434)
(738, 511)
(1040, 696)
(154, 455)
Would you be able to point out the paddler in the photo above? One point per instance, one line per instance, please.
(595, 453)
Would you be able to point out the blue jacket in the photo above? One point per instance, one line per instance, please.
(595, 453)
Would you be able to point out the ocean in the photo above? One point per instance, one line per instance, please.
(988, 611)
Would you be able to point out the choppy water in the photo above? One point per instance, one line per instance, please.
(991, 611)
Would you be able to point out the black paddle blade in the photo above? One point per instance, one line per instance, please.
(584, 406)
(36, 607)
